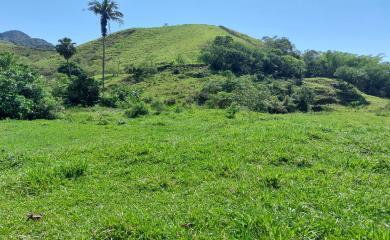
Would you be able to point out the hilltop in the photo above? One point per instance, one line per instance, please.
(145, 45)
(22, 39)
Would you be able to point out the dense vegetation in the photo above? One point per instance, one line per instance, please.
(367, 73)
(22, 95)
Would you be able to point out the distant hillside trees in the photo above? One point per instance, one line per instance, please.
(108, 10)
(67, 49)
(226, 54)
(22, 95)
(279, 59)
(367, 73)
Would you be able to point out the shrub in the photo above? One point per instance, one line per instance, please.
(170, 101)
(75, 70)
(140, 73)
(109, 101)
(22, 95)
(303, 99)
(72, 170)
(158, 106)
(137, 110)
(83, 90)
(232, 110)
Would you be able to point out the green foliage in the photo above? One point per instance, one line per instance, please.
(66, 48)
(75, 69)
(232, 110)
(367, 73)
(72, 170)
(226, 54)
(83, 90)
(283, 45)
(292, 67)
(137, 110)
(304, 98)
(22, 95)
(140, 73)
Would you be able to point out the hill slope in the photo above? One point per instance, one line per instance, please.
(22, 39)
(26, 55)
(157, 45)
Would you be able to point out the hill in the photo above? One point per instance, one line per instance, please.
(22, 39)
(145, 45)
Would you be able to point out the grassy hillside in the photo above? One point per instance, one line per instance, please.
(26, 55)
(197, 174)
(145, 45)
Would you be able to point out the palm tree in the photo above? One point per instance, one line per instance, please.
(108, 10)
(67, 49)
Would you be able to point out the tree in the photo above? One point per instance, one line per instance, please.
(67, 49)
(108, 10)
(22, 92)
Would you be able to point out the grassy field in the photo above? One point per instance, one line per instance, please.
(195, 174)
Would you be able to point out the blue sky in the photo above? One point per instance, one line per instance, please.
(358, 26)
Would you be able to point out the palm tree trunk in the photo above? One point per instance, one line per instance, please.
(104, 62)
(67, 63)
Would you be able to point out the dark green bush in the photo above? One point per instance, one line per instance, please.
(83, 90)
(137, 110)
(22, 95)
(140, 73)
(75, 70)
(303, 99)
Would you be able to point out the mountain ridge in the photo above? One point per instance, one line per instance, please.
(22, 39)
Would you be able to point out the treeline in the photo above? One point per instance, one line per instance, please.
(367, 73)
(278, 58)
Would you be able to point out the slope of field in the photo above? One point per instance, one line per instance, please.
(146, 45)
(197, 174)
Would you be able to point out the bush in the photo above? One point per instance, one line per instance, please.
(76, 70)
(109, 101)
(83, 90)
(232, 110)
(137, 110)
(22, 95)
(158, 106)
(140, 73)
(303, 99)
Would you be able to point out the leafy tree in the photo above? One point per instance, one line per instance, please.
(83, 90)
(67, 49)
(284, 45)
(292, 67)
(225, 54)
(108, 10)
(76, 70)
(22, 95)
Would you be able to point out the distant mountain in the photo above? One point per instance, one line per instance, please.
(22, 39)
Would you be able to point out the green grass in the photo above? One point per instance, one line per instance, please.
(197, 175)
(146, 45)
(27, 55)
